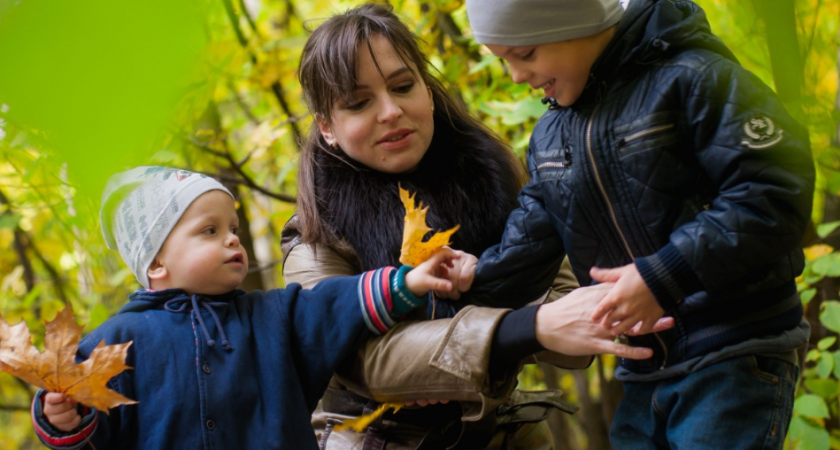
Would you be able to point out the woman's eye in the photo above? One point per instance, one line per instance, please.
(402, 89)
(355, 106)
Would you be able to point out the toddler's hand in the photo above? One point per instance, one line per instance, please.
(460, 273)
(628, 303)
(426, 277)
(61, 412)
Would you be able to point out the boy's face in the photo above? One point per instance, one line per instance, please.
(561, 69)
(202, 253)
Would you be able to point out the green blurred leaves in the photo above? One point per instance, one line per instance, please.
(96, 79)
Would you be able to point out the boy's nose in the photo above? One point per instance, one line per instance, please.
(519, 76)
(233, 240)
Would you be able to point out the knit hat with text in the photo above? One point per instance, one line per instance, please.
(141, 206)
(532, 22)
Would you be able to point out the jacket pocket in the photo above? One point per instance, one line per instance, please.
(661, 129)
(553, 163)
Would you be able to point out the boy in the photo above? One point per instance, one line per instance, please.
(664, 160)
(213, 366)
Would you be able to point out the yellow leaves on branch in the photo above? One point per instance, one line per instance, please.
(414, 251)
(56, 370)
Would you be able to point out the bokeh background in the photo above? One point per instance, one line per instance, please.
(90, 88)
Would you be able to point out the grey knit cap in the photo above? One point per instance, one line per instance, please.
(141, 206)
(532, 22)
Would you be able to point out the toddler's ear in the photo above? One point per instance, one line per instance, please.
(157, 271)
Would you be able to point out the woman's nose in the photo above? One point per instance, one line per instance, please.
(389, 110)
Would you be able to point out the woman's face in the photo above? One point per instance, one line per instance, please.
(387, 124)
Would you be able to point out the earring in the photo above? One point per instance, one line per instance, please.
(332, 143)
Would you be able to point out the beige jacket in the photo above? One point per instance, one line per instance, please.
(437, 359)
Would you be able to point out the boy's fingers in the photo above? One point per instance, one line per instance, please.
(604, 275)
(663, 324)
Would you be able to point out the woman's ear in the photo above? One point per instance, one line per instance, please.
(157, 271)
(326, 131)
(431, 97)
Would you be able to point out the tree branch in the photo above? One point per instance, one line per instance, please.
(279, 94)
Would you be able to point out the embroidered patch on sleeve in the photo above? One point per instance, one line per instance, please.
(760, 132)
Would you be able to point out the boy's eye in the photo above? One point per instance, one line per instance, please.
(528, 55)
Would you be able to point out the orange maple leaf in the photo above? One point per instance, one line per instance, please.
(414, 251)
(56, 370)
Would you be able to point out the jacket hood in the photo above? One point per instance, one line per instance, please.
(651, 29)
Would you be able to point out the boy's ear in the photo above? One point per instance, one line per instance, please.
(157, 271)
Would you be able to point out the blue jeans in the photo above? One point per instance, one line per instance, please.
(743, 403)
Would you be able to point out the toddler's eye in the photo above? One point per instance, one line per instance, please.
(209, 230)
(235, 230)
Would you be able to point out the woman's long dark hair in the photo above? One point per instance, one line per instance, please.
(327, 73)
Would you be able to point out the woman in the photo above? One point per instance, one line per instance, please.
(381, 120)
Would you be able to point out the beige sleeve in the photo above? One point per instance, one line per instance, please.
(308, 266)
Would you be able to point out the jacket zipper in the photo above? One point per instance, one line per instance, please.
(644, 133)
(609, 204)
(601, 183)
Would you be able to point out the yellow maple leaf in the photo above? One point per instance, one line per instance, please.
(414, 251)
(56, 370)
(360, 423)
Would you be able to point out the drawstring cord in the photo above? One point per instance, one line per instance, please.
(179, 305)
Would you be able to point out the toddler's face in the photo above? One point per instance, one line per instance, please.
(202, 253)
(561, 69)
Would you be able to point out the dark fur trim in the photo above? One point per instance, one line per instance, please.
(466, 180)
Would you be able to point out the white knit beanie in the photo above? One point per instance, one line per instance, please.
(532, 22)
(142, 205)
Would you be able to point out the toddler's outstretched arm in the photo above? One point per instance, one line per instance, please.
(628, 304)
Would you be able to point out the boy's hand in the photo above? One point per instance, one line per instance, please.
(628, 303)
(425, 277)
(61, 412)
(564, 326)
(460, 273)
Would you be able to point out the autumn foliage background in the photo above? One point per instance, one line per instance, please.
(88, 88)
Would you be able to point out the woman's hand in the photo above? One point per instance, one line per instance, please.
(565, 326)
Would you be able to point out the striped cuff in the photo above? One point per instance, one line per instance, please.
(384, 297)
(55, 438)
(668, 276)
(375, 298)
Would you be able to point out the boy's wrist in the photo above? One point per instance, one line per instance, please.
(404, 299)
(668, 276)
